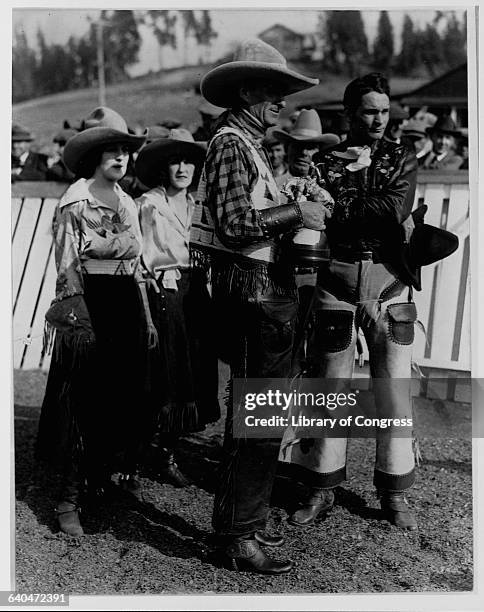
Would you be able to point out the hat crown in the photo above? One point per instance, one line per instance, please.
(445, 124)
(181, 134)
(105, 117)
(256, 50)
(308, 124)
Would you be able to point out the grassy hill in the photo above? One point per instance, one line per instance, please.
(149, 99)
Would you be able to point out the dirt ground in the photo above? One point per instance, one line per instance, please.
(163, 544)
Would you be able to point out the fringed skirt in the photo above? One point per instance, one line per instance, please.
(184, 367)
(95, 415)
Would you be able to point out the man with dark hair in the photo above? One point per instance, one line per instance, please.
(372, 181)
(256, 297)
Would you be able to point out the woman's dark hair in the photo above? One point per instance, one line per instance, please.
(375, 81)
(88, 164)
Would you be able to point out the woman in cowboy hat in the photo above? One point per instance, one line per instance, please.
(184, 369)
(92, 419)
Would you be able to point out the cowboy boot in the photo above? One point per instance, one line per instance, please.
(246, 554)
(67, 511)
(319, 502)
(169, 470)
(397, 510)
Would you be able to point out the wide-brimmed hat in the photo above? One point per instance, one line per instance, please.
(307, 129)
(154, 132)
(21, 134)
(253, 59)
(427, 245)
(416, 128)
(153, 156)
(444, 125)
(270, 139)
(103, 126)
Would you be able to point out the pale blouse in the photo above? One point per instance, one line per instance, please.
(85, 228)
(166, 235)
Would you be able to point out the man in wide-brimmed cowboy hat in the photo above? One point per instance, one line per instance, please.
(372, 181)
(26, 164)
(304, 140)
(443, 156)
(257, 299)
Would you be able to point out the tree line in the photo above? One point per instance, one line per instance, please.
(50, 68)
(424, 52)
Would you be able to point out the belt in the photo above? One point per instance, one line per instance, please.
(112, 267)
(354, 256)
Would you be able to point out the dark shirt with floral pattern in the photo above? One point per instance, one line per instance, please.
(370, 203)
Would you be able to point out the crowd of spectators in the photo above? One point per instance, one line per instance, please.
(438, 142)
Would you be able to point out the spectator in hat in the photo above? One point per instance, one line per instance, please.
(26, 165)
(209, 114)
(277, 156)
(304, 141)
(184, 386)
(415, 131)
(57, 170)
(443, 156)
(171, 123)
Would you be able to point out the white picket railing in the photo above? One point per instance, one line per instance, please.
(443, 304)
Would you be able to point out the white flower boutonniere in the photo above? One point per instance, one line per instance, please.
(361, 155)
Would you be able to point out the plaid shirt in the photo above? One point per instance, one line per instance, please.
(230, 177)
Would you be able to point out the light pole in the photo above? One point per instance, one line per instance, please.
(100, 63)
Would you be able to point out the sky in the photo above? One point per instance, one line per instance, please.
(231, 25)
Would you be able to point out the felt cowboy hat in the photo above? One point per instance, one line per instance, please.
(253, 59)
(416, 128)
(427, 245)
(102, 127)
(153, 132)
(153, 156)
(20, 134)
(444, 125)
(307, 129)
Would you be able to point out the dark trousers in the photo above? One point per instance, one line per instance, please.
(258, 336)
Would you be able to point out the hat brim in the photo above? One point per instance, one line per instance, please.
(325, 139)
(414, 134)
(219, 85)
(153, 156)
(20, 138)
(79, 145)
(433, 130)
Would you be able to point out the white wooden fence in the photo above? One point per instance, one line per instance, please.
(443, 304)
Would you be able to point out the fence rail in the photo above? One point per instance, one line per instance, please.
(443, 304)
